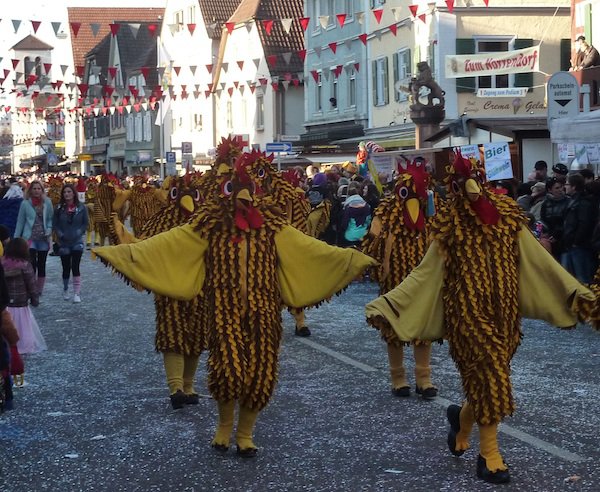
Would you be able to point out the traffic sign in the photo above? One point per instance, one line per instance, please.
(291, 138)
(563, 95)
(171, 159)
(279, 147)
(186, 147)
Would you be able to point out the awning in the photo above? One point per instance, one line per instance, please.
(580, 129)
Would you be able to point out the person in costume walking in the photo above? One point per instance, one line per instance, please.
(34, 224)
(478, 277)
(248, 261)
(70, 225)
(398, 240)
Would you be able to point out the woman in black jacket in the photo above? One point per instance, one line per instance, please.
(553, 214)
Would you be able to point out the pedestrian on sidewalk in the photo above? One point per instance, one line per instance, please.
(70, 223)
(34, 224)
(20, 282)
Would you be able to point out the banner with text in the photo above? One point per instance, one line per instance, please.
(497, 161)
(501, 62)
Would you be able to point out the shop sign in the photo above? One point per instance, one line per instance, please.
(503, 92)
(499, 63)
(497, 161)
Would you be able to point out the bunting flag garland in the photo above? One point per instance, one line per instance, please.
(315, 75)
(360, 17)
(114, 28)
(304, 23)
(16, 23)
(230, 26)
(333, 47)
(55, 27)
(191, 28)
(240, 63)
(35, 25)
(324, 21)
(209, 67)
(193, 70)
(413, 9)
(378, 13)
(393, 29)
(423, 18)
(487, 2)
(450, 5)
(302, 55)
(363, 38)
(95, 27)
(152, 28)
(287, 25)
(268, 25)
(341, 19)
(47, 68)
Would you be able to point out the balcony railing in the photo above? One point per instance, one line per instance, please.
(590, 76)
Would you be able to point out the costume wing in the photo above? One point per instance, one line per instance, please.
(170, 264)
(415, 308)
(311, 271)
(546, 290)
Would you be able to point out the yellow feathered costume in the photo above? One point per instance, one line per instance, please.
(398, 240)
(248, 262)
(483, 271)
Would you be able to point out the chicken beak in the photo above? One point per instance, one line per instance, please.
(244, 194)
(413, 207)
(187, 203)
(473, 189)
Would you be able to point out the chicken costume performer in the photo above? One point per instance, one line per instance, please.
(398, 240)
(482, 272)
(290, 199)
(179, 334)
(144, 201)
(108, 198)
(247, 261)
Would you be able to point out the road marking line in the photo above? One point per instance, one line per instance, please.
(443, 403)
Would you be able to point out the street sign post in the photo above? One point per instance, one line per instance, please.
(186, 147)
(171, 160)
(563, 96)
(279, 147)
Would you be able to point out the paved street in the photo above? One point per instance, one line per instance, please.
(95, 415)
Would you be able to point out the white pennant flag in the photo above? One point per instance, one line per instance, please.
(397, 12)
(324, 21)
(287, 25)
(135, 29)
(360, 17)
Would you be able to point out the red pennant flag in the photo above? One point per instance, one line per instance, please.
(393, 29)
(413, 9)
(112, 71)
(487, 3)
(177, 70)
(152, 28)
(136, 106)
(240, 64)
(104, 110)
(230, 91)
(333, 47)
(296, 82)
(210, 87)
(206, 93)
(125, 101)
(275, 86)
(363, 38)
(209, 68)
(263, 81)
(35, 25)
(423, 18)
(268, 25)
(83, 88)
(58, 84)
(315, 75)
(145, 72)
(109, 90)
(114, 28)
(15, 62)
(35, 94)
(450, 5)
(6, 109)
(191, 28)
(79, 70)
(6, 71)
(120, 109)
(47, 67)
(75, 26)
(304, 22)
(302, 55)
(341, 19)
(236, 84)
(356, 66)
(378, 13)
(230, 26)
(272, 60)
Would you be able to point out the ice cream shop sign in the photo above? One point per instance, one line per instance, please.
(501, 106)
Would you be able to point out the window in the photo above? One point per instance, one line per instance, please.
(192, 15)
(197, 123)
(260, 112)
(229, 115)
(322, 8)
(147, 126)
(138, 135)
(402, 72)
(346, 7)
(380, 82)
(377, 3)
(29, 66)
(333, 92)
(352, 88)
(38, 67)
(491, 45)
(178, 21)
(319, 93)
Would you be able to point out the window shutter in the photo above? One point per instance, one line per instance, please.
(386, 81)
(465, 46)
(374, 71)
(396, 63)
(523, 79)
(587, 23)
(565, 54)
